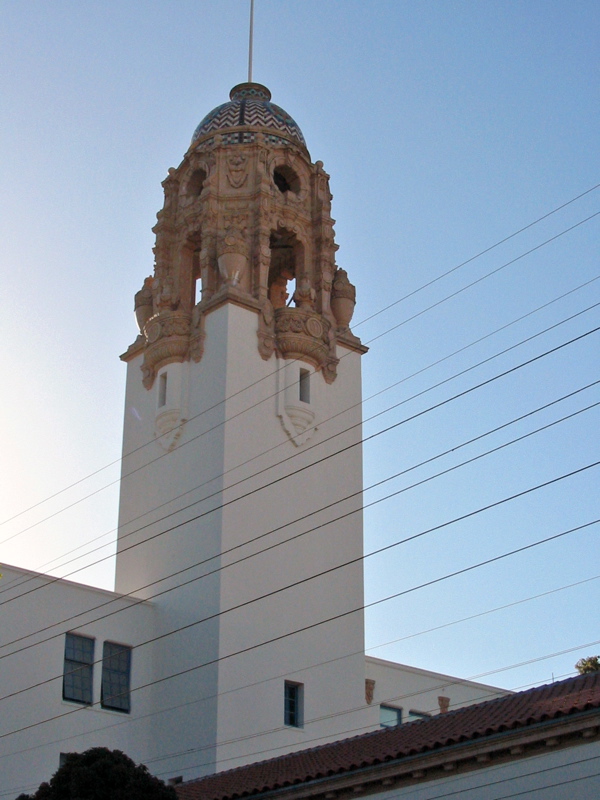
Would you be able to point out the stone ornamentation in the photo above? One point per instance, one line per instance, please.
(237, 174)
(143, 303)
(343, 299)
(168, 337)
(246, 214)
(369, 690)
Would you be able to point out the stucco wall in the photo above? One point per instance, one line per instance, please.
(36, 724)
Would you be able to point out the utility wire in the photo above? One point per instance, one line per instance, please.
(160, 533)
(343, 565)
(472, 258)
(478, 280)
(477, 255)
(344, 411)
(296, 536)
(289, 458)
(264, 680)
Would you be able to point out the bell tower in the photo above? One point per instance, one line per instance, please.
(240, 512)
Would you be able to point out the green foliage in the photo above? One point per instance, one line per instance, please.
(586, 665)
(102, 774)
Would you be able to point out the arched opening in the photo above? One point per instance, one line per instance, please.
(196, 183)
(196, 276)
(286, 256)
(285, 179)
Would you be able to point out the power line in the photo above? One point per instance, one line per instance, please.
(482, 278)
(477, 255)
(256, 683)
(472, 258)
(318, 444)
(303, 533)
(196, 518)
(481, 614)
(328, 571)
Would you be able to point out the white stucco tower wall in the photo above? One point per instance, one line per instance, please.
(240, 515)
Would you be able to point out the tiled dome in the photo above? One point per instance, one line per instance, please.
(249, 107)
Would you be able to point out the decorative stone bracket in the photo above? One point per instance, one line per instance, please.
(305, 335)
(168, 339)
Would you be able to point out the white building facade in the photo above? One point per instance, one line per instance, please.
(236, 632)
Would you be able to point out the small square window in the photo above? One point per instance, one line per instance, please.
(390, 716)
(78, 672)
(293, 714)
(116, 672)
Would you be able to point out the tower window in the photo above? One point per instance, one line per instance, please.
(286, 180)
(293, 713)
(78, 673)
(162, 390)
(116, 670)
(304, 386)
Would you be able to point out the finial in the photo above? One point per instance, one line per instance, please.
(250, 41)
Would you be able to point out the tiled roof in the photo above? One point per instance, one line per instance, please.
(463, 725)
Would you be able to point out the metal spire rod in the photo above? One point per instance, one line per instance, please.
(250, 43)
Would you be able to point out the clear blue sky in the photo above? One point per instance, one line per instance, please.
(446, 127)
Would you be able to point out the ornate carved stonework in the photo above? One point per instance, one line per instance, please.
(143, 303)
(266, 330)
(303, 334)
(197, 337)
(369, 690)
(168, 429)
(167, 336)
(237, 174)
(343, 299)
(246, 214)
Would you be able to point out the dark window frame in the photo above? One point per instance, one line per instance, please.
(78, 670)
(293, 704)
(115, 693)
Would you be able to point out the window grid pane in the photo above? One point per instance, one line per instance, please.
(292, 710)
(78, 672)
(116, 669)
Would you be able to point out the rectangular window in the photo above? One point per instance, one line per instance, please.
(78, 673)
(162, 390)
(116, 673)
(389, 716)
(413, 714)
(293, 704)
(304, 386)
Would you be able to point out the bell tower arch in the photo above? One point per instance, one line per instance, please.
(240, 510)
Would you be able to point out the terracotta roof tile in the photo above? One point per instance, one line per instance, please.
(465, 724)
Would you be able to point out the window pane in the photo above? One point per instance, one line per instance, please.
(389, 716)
(78, 672)
(293, 704)
(116, 670)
